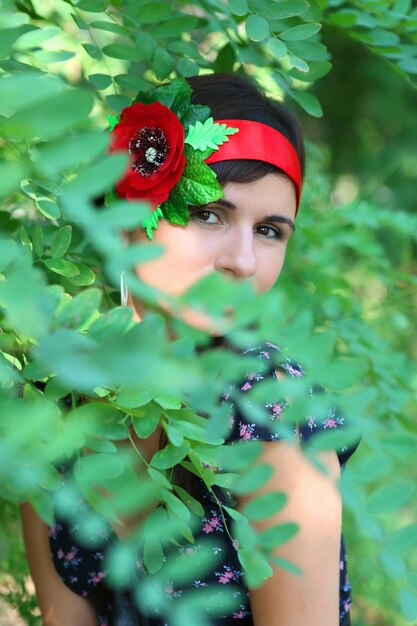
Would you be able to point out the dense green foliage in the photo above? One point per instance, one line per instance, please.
(343, 306)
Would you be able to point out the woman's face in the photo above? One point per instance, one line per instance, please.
(244, 235)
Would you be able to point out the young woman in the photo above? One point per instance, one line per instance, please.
(242, 232)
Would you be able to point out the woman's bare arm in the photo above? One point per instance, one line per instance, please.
(58, 604)
(314, 504)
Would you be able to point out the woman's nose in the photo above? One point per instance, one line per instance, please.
(236, 255)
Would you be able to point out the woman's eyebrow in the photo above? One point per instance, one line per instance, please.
(281, 219)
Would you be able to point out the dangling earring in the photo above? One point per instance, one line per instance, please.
(123, 289)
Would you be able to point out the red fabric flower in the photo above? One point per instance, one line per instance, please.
(154, 137)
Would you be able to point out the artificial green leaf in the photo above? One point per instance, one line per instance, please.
(61, 242)
(257, 27)
(208, 135)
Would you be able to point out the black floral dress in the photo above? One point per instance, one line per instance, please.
(84, 571)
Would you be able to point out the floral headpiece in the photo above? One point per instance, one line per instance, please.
(168, 140)
(171, 142)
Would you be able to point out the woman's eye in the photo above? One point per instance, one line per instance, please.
(270, 232)
(206, 216)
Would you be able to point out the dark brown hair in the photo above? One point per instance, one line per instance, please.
(232, 96)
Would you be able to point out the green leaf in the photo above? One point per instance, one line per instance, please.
(191, 502)
(163, 63)
(255, 478)
(48, 208)
(95, 468)
(37, 240)
(175, 26)
(92, 50)
(257, 28)
(159, 478)
(118, 103)
(111, 27)
(62, 267)
(50, 117)
(408, 604)
(174, 435)
(11, 173)
(239, 7)
(133, 83)
(239, 455)
(226, 59)
(169, 456)
(35, 37)
(287, 8)
(93, 6)
(315, 71)
(120, 563)
(61, 241)
(391, 497)
(53, 158)
(147, 45)
(265, 505)
(257, 569)
(308, 102)
(287, 565)
(153, 554)
(100, 81)
(119, 51)
(300, 65)
(154, 12)
(52, 56)
(175, 504)
(85, 277)
(277, 47)
(304, 31)
(97, 178)
(145, 420)
(186, 67)
(208, 135)
(277, 535)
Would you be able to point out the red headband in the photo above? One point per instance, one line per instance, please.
(256, 141)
